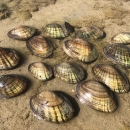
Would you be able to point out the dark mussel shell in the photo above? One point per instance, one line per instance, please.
(21, 32)
(51, 106)
(55, 30)
(112, 77)
(91, 32)
(69, 72)
(40, 70)
(40, 46)
(80, 49)
(11, 85)
(123, 37)
(96, 95)
(118, 53)
(8, 58)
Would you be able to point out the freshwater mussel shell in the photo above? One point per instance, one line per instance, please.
(40, 46)
(21, 32)
(112, 77)
(96, 95)
(51, 106)
(55, 30)
(91, 32)
(12, 85)
(123, 37)
(8, 58)
(40, 70)
(118, 53)
(69, 72)
(80, 49)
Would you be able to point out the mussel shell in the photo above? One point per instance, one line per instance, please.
(11, 85)
(40, 70)
(118, 53)
(69, 72)
(40, 46)
(96, 95)
(8, 58)
(51, 106)
(21, 32)
(91, 32)
(123, 37)
(55, 30)
(80, 49)
(112, 77)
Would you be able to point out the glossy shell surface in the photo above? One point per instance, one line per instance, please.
(40, 46)
(51, 106)
(96, 95)
(55, 30)
(91, 32)
(40, 70)
(68, 72)
(21, 32)
(11, 85)
(112, 77)
(80, 49)
(8, 58)
(123, 37)
(118, 53)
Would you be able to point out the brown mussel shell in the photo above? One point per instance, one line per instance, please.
(123, 37)
(96, 95)
(91, 32)
(55, 30)
(69, 72)
(8, 58)
(40, 46)
(80, 49)
(21, 32)
(51, 106)
(112, 77)
(118, 53)
(11, 85)
(40, 71)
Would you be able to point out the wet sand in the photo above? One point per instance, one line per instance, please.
(111, 15)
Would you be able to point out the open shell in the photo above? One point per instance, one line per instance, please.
(11, 85)
(40, 46)
(123, 37)
(69, 72)
(96, 95)
(51, 106)
(118, 53)
(80, 49)
(21, 32)
(112, 77)
(40, 70)
(8, 58)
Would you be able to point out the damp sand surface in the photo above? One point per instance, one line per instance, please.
(111, 15)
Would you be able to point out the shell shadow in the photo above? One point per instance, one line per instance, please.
(73, 102)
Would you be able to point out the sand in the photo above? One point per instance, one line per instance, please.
(111, 15)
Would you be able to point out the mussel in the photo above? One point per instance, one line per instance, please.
(69, 72)
(91, 32)
(112, 77)
(96, 95)
(57, 30)
(80, 49)
(21, 32)
(118, 53)
(40, 70)
(51, 106)
(12, 85)
(8, 58)
(123, 37)
(40, 46)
